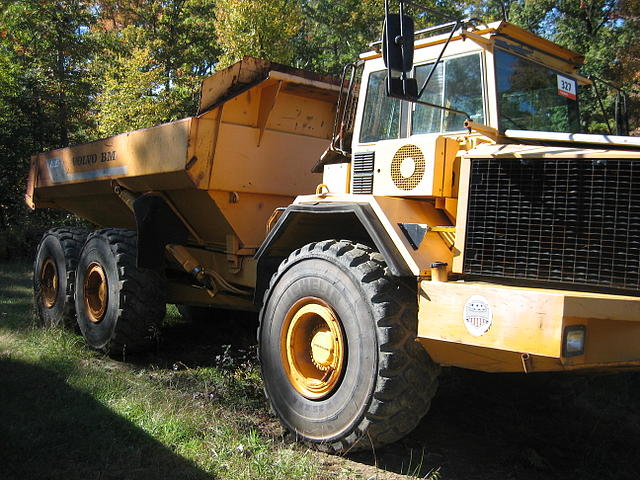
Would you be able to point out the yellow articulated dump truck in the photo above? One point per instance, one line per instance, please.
(438, 206)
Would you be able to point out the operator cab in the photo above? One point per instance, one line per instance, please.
(489, 79)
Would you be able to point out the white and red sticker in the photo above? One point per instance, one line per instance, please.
(567, 87)
(477, 315)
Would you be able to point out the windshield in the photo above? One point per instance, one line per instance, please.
(534, 97)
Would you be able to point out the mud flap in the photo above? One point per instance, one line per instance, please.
(157, 226)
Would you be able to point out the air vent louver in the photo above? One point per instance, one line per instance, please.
(571, 221)
(362, 178)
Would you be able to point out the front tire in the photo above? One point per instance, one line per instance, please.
(340, 363)
(119, 306)
(54, 271)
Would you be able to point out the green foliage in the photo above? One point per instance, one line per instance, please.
(75, 70)
(133, 96)
(154, 56)
(45, 42)
(257, 28)
(45, 92)
(335, 32)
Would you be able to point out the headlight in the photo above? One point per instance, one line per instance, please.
(573, 344)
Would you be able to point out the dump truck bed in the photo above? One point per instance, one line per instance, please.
(259, 130)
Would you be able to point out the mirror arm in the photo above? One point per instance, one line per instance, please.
(442, 107)
(435, 65)
(439, 107)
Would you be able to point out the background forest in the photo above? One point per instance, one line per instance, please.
(73, 71)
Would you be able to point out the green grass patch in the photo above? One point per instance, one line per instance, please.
(71, 413)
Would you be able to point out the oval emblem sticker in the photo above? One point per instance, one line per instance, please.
(477, 315)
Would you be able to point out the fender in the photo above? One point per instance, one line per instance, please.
(374, 221)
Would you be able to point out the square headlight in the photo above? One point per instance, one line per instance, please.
(573, 343)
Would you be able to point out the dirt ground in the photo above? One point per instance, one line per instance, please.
(481, 426)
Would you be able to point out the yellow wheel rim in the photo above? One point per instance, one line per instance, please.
(49, 282)
(96, 293)
(312, 346)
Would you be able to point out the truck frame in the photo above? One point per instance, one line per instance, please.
(456, 217)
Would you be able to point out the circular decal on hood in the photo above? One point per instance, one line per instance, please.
(477, 315)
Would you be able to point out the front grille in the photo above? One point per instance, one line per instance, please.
(362, 172)
(571, 221)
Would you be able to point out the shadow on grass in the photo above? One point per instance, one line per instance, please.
(50, 430)
(524, 427)
(201, 343)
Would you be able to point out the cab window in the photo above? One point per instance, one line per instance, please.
(381, 118)
(456, 83)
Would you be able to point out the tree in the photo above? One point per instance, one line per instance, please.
(335, 32)
(45, 89)
(254, 27)
(154, 56)
(630, 59)
(47, 42)
(133, 94)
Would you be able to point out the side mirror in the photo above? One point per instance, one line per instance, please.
(397, 43)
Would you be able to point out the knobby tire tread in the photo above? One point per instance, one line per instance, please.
(407, 377)
(71, 240)
(142, 296)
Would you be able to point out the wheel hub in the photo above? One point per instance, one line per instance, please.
(95, 292)
(322, 349)
(313, 348)
(49, 282)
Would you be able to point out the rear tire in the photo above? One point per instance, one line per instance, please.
(386, 379)
(54, 271)
(119, 306)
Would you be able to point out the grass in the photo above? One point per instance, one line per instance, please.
(67, 412)
(194, 409)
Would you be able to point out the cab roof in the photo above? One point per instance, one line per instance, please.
(497, 33)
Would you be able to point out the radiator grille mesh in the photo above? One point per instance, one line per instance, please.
(573, 221)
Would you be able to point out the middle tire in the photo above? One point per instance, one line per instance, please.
(337, 347)
(119, 306)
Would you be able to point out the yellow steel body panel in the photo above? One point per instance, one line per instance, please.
(527, 321)
(216, 88)
(261, 129)
(247, 213)
(155, 150)
(280, 165)
(337, 177)
(393, 210)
